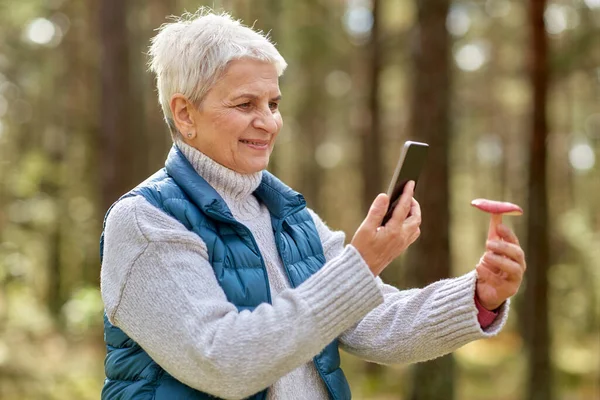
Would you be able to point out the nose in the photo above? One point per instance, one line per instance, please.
(266, 121)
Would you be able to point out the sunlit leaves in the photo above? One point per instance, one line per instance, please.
(40, 31)
(472, 56)
(582, 157)
(458, 21)
(358, 19)
(82, 311)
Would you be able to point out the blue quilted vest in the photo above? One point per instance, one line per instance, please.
(238, 265)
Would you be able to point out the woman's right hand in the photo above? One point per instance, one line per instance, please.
(379, 245)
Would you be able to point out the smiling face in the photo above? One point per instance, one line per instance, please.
(238, 121)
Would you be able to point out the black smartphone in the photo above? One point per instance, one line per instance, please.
(409, 168)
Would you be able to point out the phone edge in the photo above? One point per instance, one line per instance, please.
(392, 185)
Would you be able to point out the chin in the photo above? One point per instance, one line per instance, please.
(254, 166)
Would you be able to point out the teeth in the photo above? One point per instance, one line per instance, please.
(254, 143)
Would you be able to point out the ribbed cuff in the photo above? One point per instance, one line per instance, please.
(341, 293)
(484, 316)
(454, 315)
(496, 326)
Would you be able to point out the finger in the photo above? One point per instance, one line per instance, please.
(485, 264)
(505, 233)
(501, 266)
(507, 249)
(403, 206)
(415, 214)
(411, 223)
(409, 189)
(415, 236)
(376, 212)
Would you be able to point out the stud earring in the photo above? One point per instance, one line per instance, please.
(189, 135)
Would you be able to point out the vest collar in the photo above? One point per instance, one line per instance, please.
(280, 199)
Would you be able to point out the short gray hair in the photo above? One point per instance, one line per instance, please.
(190, 54)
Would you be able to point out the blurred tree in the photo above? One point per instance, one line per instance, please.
(272, 17)
(429, 258)
(535, 316)
(372, 163)
(157, 134)
(314, 51)
(54, 185)
(117, 136)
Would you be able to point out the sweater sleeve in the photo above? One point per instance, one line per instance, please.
(421, 324)
(159, 288)
(417, 324)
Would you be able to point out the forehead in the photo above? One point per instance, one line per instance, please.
(251, 76)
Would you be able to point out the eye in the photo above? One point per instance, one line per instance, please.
(244, 106)
(273, 106)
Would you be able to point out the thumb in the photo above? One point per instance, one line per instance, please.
(377, 211)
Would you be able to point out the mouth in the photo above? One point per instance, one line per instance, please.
(256, 143)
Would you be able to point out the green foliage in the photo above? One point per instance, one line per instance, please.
(83, 311)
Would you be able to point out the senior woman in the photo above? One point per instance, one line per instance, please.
(219, 282)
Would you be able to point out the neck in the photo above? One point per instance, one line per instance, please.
(235, 188)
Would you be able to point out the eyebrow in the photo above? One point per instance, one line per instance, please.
(253, 97)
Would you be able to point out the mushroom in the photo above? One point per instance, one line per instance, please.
(497, 209)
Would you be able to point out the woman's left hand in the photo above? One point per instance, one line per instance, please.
(500, 270)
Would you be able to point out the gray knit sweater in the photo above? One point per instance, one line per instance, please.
(159, 288)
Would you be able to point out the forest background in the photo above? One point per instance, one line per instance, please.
(506, 92)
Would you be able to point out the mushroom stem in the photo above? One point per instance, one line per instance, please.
(496, 208)
(494, 222)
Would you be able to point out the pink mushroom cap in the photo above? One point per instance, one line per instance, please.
(497, 207)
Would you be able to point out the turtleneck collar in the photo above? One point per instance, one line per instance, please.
(235, 188)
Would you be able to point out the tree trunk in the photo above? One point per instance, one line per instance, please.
(55, 293)
(536, 292)
(271, 15)
(159, 138)
(429, 258)
(371, 137)
(313, 56)
(117, 140)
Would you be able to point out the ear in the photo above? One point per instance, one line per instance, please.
(182, 111)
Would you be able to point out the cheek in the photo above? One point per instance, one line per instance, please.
(279, 122)
(230, 126)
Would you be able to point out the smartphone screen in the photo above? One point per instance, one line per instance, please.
(409, 168)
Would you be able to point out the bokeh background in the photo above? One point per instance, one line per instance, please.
(507, 93)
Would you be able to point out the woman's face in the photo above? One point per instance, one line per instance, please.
(238, 121)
